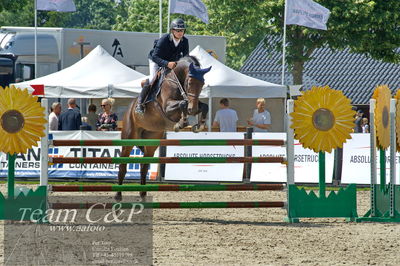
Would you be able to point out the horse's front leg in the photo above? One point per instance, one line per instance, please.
(178, 109)
(122, 171)
(201, 118)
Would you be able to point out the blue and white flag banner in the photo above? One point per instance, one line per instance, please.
(307, 13)
(190, 7)
(56, 5)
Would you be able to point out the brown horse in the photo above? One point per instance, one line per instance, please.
(178, 97)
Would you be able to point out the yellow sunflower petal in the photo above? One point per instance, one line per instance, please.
(28, 132)
(334, 119)
(382, 96)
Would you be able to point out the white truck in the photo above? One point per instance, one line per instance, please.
(58, 48)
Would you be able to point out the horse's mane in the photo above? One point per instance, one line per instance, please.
(191, 59)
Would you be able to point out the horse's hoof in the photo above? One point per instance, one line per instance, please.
(195, 129)
(118, 197)
(143, 195)
(143, 199)
(177, 128)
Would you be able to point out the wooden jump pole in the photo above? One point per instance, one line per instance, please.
(156, 187)
(146, 160)
(170, 142)
(172, 205)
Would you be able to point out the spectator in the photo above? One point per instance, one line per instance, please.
(91, 118)
(225, 118)
(85, 125)
(358, 121)
(365, 126)
(107, 120)
(70, 119)
(261, 120)
(53, 117)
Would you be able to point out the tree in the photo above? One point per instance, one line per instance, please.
(237, 20)
(11, 5)
(24, 17)
(363, 26)
(140, 16)
(93, 14)
(90, 14)
(243, 24)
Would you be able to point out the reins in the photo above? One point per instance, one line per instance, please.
(183, 92)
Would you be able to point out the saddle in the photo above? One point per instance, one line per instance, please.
(155, 86)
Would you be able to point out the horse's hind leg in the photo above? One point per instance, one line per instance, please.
(126, 150)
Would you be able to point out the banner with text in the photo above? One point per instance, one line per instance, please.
(205, 172)
(305, 162)
(357, 161)
(28, 165)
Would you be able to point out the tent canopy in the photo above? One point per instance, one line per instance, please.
(91, 77)
(222, 81)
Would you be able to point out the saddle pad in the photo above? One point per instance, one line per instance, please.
(155, 89)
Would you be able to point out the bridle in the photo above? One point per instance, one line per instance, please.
(184, 93)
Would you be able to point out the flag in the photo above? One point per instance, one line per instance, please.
(307, 13)
(190, 7)
(56, 5)
(38, 89)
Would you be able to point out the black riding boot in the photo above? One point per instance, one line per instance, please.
(143, 94)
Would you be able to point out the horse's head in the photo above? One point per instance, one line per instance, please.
(194, 86)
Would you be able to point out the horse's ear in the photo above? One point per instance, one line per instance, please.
(205, 70)
(191, 67)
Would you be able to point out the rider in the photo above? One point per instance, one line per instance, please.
(167, 50)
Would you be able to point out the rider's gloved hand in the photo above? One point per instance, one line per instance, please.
(171, 65)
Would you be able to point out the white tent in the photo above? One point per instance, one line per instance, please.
(91, 77)
(133, 86)
(223, 81)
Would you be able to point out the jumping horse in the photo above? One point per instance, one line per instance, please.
(178, 97)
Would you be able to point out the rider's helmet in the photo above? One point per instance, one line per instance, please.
(178, 24)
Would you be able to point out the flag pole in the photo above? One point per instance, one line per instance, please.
(35, 45)
(169, 13)
(284, 45)
(160, 14)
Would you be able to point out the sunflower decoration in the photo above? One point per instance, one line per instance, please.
(22, 120)
(397, 97)
(382, 96)
(322, 119)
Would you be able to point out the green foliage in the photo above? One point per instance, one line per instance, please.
(364, 26)
(90, 14)
(243, 23)
(11, 5)
(23, 17)
(141, 16)
(93, 14)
